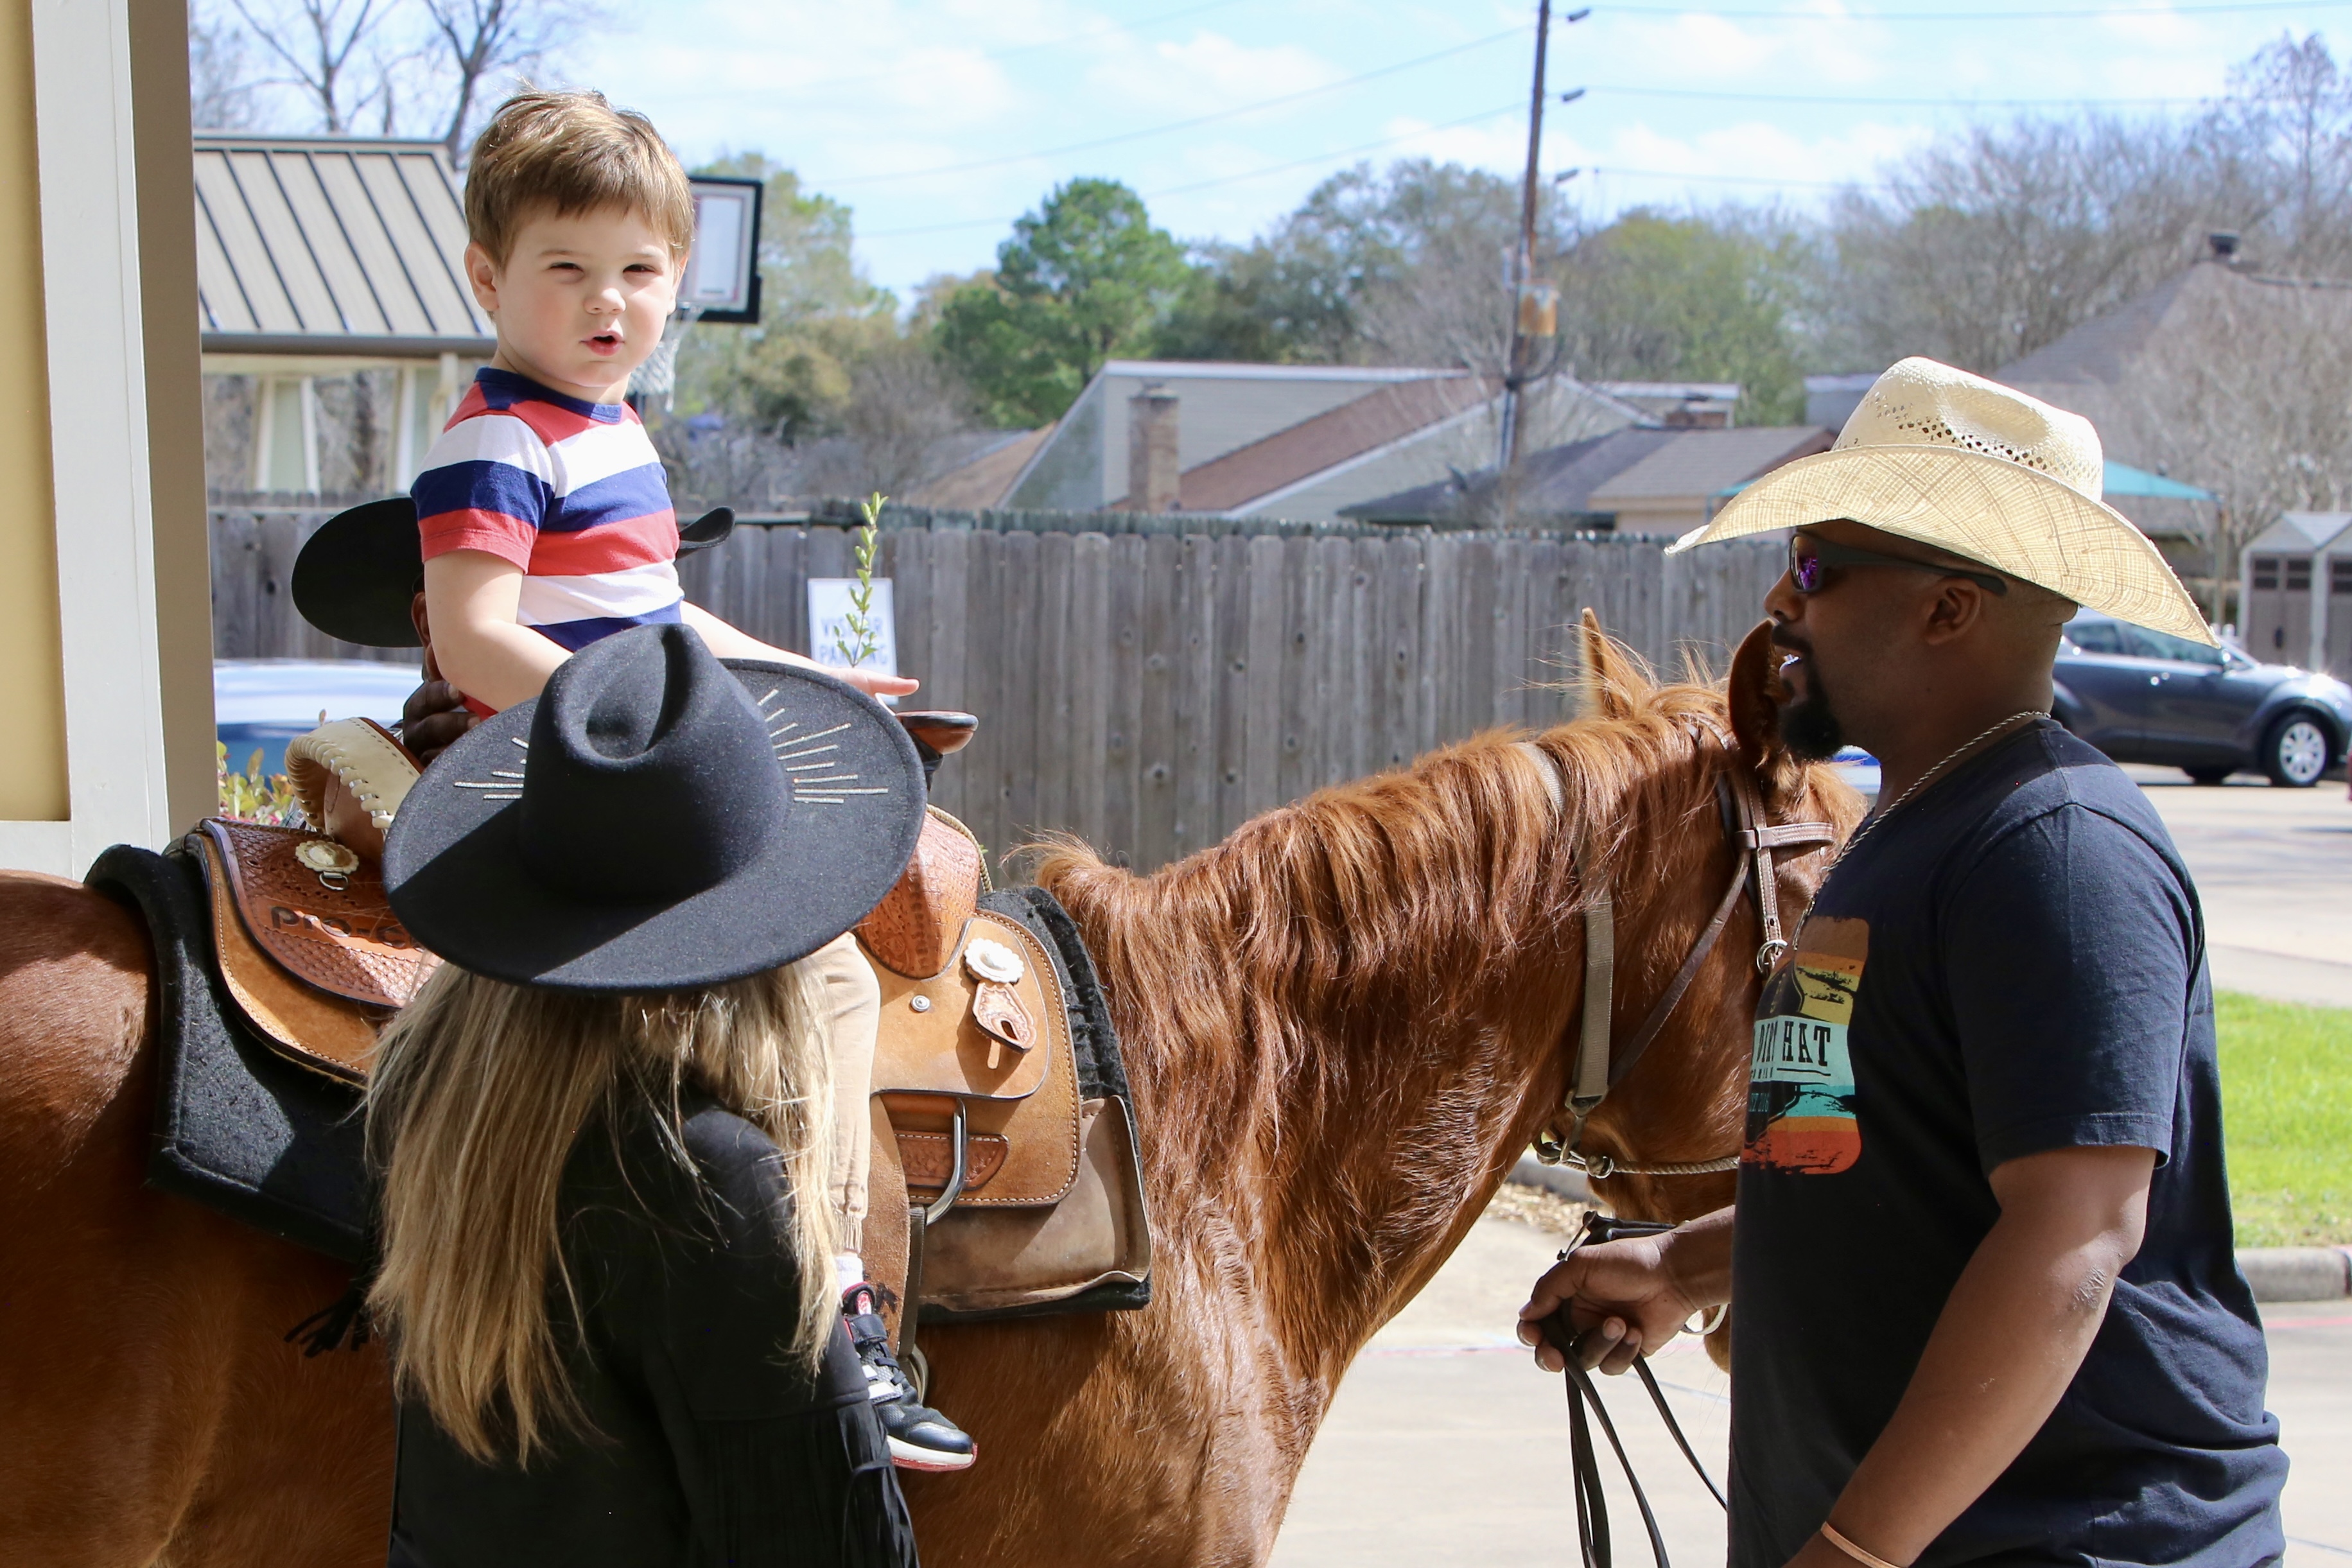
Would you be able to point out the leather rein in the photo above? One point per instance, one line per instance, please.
(1599, 1068)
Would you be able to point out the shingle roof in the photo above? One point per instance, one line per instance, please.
(1702, 462)
(1600, 474)
(330, 245)
(981, 482)
(1331, 437)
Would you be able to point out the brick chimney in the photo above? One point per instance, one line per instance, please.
(1151, 462)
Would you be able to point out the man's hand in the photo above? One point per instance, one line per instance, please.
(434, 716)
(1627, 1299)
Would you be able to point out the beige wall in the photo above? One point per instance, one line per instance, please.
(31, 695)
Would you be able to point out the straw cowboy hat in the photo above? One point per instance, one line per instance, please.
(1974, 468)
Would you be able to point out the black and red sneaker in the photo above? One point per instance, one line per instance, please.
(920, 1438)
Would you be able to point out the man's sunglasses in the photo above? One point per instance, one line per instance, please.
(1809, 560)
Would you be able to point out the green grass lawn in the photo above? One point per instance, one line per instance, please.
(2287, 1094)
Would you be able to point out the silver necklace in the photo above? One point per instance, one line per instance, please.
(1924, 780)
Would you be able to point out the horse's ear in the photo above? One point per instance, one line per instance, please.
(1611, 681)
(1755, 699)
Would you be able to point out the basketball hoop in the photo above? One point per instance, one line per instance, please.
(657, 379)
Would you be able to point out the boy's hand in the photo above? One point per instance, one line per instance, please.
(873, 682)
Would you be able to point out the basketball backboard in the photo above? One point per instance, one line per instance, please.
(723, 278)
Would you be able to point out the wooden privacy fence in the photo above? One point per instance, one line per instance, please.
(1151, 689)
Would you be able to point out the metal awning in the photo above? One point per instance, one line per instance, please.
(332, 247)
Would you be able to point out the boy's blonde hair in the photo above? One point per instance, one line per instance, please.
(574, 152)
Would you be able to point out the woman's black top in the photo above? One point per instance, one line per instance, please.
(710, 1444)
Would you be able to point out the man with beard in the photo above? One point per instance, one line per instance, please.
(1988, 1309)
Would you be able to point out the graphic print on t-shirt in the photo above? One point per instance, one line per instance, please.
(1800, 1082)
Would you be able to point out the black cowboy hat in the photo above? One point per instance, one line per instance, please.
(655, 821)
(355, 577)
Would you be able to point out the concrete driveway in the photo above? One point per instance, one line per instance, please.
(2274, 869)
(1446, 1446)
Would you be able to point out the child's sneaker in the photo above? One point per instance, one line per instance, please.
(920, 1438)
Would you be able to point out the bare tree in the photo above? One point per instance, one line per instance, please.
(1981, 249)
(220, 77)
(480, 37)
(2248, 392)
(324, 43)
(2290, 106)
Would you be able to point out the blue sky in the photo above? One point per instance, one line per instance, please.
(939, 121)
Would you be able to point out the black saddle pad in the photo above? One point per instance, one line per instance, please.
(238, 1128)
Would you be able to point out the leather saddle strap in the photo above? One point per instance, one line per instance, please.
(910, 1299)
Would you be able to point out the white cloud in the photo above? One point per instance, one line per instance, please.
(1208, 73)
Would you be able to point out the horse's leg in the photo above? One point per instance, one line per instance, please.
(1155, 1414)
(137, 1392)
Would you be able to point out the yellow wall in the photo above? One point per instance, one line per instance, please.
(32, 678)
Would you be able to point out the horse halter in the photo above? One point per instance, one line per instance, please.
(1598, 1068)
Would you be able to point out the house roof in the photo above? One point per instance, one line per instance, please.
(1605, 472)
(332, 246)
(1702, 462)
(2297, 531)
(1277, 461)
(2123, 479)
(981, 482)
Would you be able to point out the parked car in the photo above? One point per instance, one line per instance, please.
(2144, 697)
(259, 704)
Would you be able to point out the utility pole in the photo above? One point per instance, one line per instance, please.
(1524, 328)
(1523, 260)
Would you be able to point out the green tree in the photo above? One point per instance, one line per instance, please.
(1695, 298)
(1084, 278)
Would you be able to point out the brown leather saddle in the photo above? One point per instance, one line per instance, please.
(1006, 1179)
(1012, 1139)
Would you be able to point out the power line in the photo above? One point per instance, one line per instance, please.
(1103, 32)
(1511, 107)
(1712, 96)
(1222, 114)
(1735, 179)
(2107, 14)
(1343, 152)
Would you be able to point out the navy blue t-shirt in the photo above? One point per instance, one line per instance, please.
(2014, 962)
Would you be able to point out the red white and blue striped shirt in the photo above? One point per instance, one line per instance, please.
(572, 492)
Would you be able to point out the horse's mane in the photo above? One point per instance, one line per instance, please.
(1289, 956)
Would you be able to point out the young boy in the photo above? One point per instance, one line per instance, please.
(546, 521)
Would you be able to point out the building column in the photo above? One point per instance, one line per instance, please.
(105, 583)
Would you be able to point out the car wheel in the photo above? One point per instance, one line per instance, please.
(2295, 753)
(2209, 775)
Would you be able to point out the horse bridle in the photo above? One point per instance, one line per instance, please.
(1598, 1068)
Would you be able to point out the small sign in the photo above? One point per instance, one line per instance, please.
(829, 610)
(723, 275)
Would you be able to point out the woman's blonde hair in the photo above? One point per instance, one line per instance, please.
(478, 1093)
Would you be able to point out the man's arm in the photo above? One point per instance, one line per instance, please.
(1628, 1298)
(727, 642)
(2009, 1340)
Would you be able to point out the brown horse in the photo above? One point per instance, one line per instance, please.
(1341, 1025)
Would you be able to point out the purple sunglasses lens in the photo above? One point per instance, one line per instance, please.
(1805, 571)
